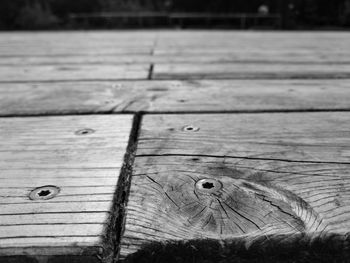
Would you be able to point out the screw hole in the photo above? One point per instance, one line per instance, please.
(44, 193)
(190, 128)
(208, 185)
(84, 131)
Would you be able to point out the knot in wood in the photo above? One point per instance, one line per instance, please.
(227, 207)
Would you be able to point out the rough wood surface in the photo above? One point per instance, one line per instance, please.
(79, 72)
(201, 56)
(82, 156)
(275, 185)
(173, 47)
(170, 41)
(173, 96)
(75, 43)
(250, 70)
(272, 180)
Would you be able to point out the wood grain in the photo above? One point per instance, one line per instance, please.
(78, 72)
(282, 178)
(172, 96)
(105, 47)
(251, 70)
(274, 184)
(200, 56)
(82, 156)
(75, 43)
(306, 40)
(287, 136)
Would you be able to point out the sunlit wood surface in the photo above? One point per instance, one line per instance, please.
(174, 146)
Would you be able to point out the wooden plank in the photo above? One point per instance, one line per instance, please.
(78, 59)
(82, 157)
(77, 72)
(171, 46)
(173, 96)
(169, 42)
(306, 136)
(247, 39)
(264, 185)
(250, 70)
(267, 50)
(74, 43)
(74, 49)
(201, 56)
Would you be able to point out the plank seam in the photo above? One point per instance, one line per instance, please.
(116, 227)
(150, 72)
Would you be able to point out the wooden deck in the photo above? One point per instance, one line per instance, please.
(174, 146)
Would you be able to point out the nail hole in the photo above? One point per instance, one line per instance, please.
(190, 128)
(84, 131)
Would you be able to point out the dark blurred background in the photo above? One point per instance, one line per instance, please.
(237, 14)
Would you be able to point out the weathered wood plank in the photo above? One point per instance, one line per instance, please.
(253, 183)
(253, 39)
(173, 96)
(250, 70)
(201, 56)
(54, 50)
(82, 157)
(74, 43)
(76, 72)
(269, 50)
(318, 137)
(168, 47)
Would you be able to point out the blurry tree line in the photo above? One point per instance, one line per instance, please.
(50, 14)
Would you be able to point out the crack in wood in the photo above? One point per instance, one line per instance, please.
(237, 157)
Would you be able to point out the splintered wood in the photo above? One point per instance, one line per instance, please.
(253, 178)
(76, 161)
